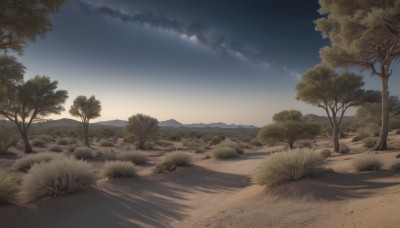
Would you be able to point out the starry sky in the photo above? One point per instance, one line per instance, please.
(235, 61)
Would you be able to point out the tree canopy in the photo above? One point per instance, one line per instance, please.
(11, 73)
(86, 109)
(143, 128)
(30, 101)
(365, 34)
(24, 20)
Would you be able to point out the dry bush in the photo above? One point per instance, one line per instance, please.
(172, 161)
(25, 163)
(360, 136)
(306, 143)
(57, 178)
(255, 142)
(237, 147)
(369, 142)
(63, 142)
(56, 148)
(326, 153)
(8, 188)
(107, 155)
(38, 143)
(343, 148)
(137, 157)
(116, 169)
(289, 165)
(222, 152)
(366, 161)
(84, 152)
(106, 143)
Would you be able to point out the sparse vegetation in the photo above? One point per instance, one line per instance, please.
(84, 153)
(142, 128)
(172, 160)
(116, 169)
(360, 136)
(57, 178)
(8, 188)
(369, 142)
(289, 165)
(55, 148)
(343, 148)
(326, 153)
(38, 143)
(223, 152)
(25, 163)
(106, 143)
(137, 157)
(366, 161)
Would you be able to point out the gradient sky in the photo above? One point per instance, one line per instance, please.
(236, 61)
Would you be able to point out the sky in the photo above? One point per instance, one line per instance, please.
(234, 61)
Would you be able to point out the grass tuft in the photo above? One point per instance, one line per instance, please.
(25, 163)
(8, 188)
(366, 161)
(117, 169)
(137, 157)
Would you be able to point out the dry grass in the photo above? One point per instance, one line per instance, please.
(84, 153)
(222, 152)
(8, 188)
(25, 163)
(172, 161)
(289, 165)
(117, 169)
(137, 157)
(57, 178)
(366, 161)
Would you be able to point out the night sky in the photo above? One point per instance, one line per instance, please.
(236, 61)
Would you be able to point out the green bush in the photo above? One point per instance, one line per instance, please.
(366, 161)
(137, 157)
(289, 165)
(326, 153)
(55, 148)
(224, 152)
(38, 143)
(8, 188)
(84, 153)
(216, 140)
(106, 143)
(343, 148)
(116, 169)
(57, 178)
(25, 163)
(369, 142)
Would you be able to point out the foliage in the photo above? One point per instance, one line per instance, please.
(366, 161)
(30, 101)
(325, 153)
(369, 142)
(55, 148)
(359, 137)
(217, 139)
(222, 152)
(25, 163)
(86, 109)
(288, 115)
(7, 139)
(137, 157)
(57, 178)
(106, 143)
(84, 153)
(116, 169)
(38, 143)
(8, 188)
(289, 165)
(343, 149)
(364, 34)
(172, 160)
(143, 128)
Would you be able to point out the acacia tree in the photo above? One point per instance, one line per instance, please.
(24, 20)
(11, 73)
(335, 93)
(86, 109)
(365, 34)
(143, 128)
(30, 101)
(288, 127)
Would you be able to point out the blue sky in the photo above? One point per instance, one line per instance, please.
(234, 61)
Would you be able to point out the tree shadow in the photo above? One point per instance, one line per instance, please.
(333, 186)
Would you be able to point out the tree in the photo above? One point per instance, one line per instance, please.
(24, 20)
(288, 129)
(369, 112)
(11, 73)
(143, 128)
(335, 93)
(365, 34)
(86, 109)
(30, 101)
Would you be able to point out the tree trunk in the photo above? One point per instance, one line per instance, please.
(335, 135)
(384, 130)
(291, 143)
(27, 145)
(86, 134)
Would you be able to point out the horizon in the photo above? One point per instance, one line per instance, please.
(200, 62)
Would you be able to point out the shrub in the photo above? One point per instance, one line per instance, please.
(25, 163)
(107, 143)
(46, 138)
(63, 142)
(396, 166)
(238, 148)
(325, 153)
(117, 169)
(84, 153)
(289, 165)
(224, 152)
(360, 136)
(343, 148)
(137, 157)
(255, 142)
(303, 144)
(366, 161)
(369, 142)
(57, 178)
(173, 160)
(38, 143)
(107, 155)
(8, 188)
(55, 149)
(178, 158)
(216, 140)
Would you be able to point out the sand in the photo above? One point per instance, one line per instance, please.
(212, 193)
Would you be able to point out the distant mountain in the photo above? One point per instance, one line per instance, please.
(170, 123)
(115, 123)
(59, 123)
(218, 125)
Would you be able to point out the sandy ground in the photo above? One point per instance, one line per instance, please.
(212, 193)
